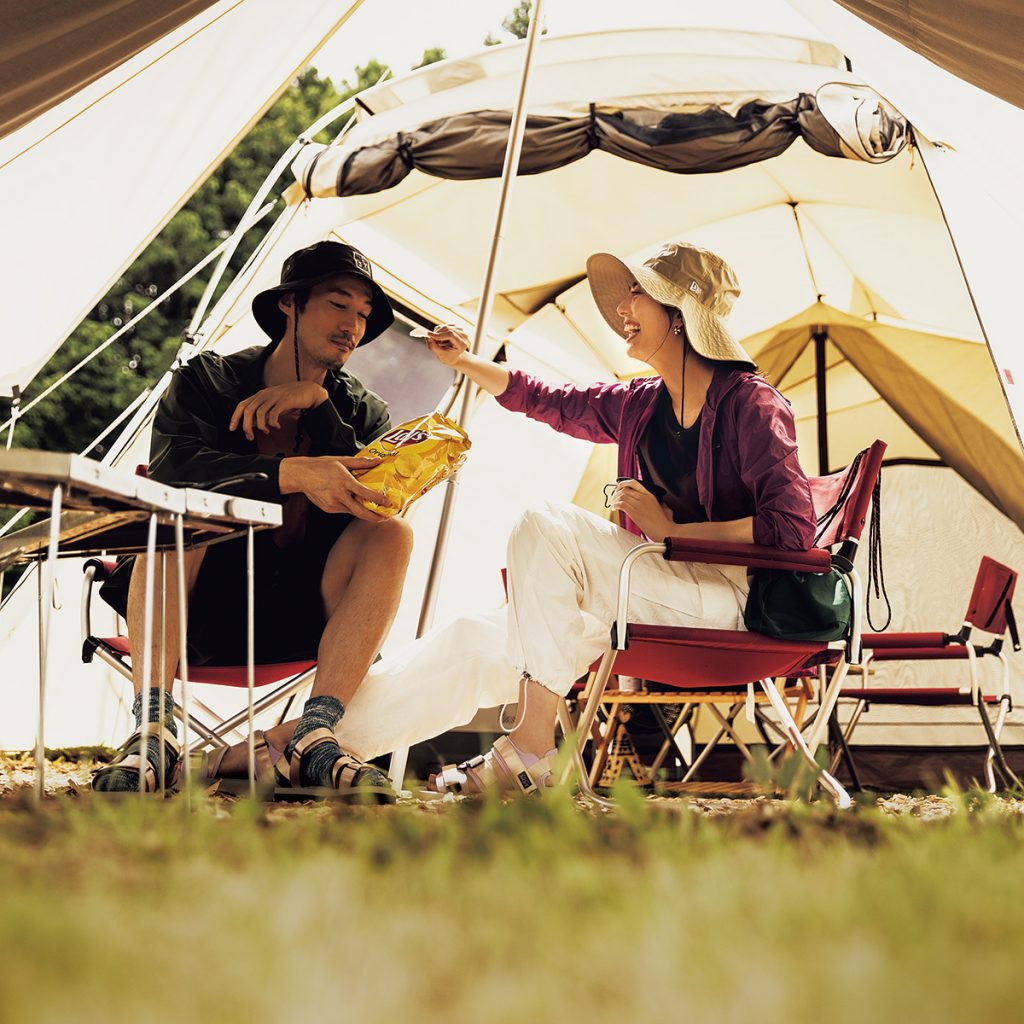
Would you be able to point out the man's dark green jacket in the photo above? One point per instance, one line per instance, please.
(192, 444)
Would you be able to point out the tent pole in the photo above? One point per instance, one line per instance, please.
(820, 337)
(512, 153)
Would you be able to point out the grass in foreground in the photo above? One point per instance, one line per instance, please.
(526, 912)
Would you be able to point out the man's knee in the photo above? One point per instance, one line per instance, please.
(393, 535)
(388, 541)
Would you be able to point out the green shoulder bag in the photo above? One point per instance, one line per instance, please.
(798, 605)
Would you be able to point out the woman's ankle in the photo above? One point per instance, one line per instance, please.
(535, 742)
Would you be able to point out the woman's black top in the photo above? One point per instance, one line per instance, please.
(668, 460)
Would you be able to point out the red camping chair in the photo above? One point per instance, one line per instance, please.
(989, 610)
(291, 676)
(702, 660)
(212, 729)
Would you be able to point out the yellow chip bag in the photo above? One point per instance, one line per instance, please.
(417, 455)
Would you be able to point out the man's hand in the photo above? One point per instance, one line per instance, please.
(263, 411)
(328, 482)
(643, 508)
(448, 344)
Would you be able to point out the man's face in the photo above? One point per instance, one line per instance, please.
(333, 321)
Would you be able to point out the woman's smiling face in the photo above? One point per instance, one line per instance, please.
(645, 322)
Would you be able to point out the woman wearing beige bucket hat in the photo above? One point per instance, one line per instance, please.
(706, 449)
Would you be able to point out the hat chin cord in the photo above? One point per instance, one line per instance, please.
(299, 426)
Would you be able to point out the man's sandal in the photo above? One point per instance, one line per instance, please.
(208, 775)
(129, 758)
(345, 774)
(501, 767)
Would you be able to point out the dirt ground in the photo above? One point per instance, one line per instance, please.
(70, 778)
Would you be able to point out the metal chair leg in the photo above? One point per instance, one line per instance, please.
(825, 780)
(576, 739)
(843, 752)
(996, 758)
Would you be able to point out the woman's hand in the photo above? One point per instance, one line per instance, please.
(448, 344)
(263, 411)
(632, 498)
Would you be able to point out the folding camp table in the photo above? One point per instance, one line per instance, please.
(95, 509)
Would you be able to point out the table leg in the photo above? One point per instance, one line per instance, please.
(161, 660)
(250, 652)
(45, 597)
(186, 696)
(147, 652)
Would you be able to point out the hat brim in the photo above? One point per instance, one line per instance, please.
(609, 279)
(273, 322)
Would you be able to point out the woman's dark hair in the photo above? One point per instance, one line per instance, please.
(672, 310)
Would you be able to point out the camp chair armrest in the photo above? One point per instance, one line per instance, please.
(753, 556)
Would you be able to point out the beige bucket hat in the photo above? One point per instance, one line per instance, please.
(701, 285)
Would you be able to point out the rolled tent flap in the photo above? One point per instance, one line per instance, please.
(472, 145)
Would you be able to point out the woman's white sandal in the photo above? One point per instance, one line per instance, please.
(501, 766)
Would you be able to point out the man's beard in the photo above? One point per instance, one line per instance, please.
(330, 358)
(333, 361)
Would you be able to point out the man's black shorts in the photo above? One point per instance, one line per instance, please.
(289, 609)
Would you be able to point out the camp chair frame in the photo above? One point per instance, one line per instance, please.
(212, 730)
(990, 610)
(799, 691)
(699, 660)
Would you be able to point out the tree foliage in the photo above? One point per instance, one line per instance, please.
(518, 21)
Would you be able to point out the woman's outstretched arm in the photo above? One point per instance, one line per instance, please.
(451, 347)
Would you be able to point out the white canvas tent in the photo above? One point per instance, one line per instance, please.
(134, 144)
(800, 228)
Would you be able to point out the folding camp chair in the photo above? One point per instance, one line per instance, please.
(699, 661)
(213, 730)
(989, 610)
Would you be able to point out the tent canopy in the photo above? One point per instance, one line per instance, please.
(860, 247)
(856, 246)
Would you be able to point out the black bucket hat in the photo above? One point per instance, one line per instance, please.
(310, 266)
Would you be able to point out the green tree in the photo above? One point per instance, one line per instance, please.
(518, 21)
(431, 56)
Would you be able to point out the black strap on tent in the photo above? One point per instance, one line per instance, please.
(876, 574)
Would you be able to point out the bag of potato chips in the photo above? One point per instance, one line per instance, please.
(417, 455)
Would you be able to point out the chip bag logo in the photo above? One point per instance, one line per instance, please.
(415, 456)
(401, 437)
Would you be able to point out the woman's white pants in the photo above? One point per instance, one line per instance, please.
(563, 569)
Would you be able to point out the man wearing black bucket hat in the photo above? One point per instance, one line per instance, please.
(281, 422)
